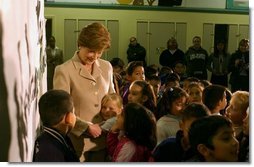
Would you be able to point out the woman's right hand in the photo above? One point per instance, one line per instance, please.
(94, 130)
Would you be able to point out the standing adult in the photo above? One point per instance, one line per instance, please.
(239, 67)
(54, 58)
(136, 52)
(172, 54)
(197, 60)
(87, 78)
(218, 64)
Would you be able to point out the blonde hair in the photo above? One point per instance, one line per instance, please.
(112, 97)
(241, 99)
(195, 84)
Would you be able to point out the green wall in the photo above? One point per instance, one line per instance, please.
(128, 20)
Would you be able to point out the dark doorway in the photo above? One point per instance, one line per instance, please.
(221, 33)
(48, 28)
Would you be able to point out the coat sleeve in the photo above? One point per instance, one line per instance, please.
(62, 81)
(79, 128)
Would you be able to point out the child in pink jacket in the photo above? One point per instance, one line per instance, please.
(132, 138)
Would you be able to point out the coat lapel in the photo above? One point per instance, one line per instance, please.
(83, 72)
(96, 69)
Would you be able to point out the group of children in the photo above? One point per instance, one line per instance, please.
(161, 116)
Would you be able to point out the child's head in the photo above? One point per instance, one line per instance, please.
(236, 111)
(172, 80)
(213, 138)
(117, 64)
(214, 97)
(138, 125)
(173, 102)
(56, 110)
(191, 113)
(228, 97)
(111, 105)
(179, 68)
(195, 92)
(156, 84)
(187, 82)
(142, 92)
(164, 72)
(205, 83)
(156, 67)
(135, 71)
(151, 71)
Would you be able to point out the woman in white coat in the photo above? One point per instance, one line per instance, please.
(87, 78)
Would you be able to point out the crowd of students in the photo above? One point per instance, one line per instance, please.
(168, 114)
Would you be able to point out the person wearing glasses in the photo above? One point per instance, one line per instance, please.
(136, 52)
